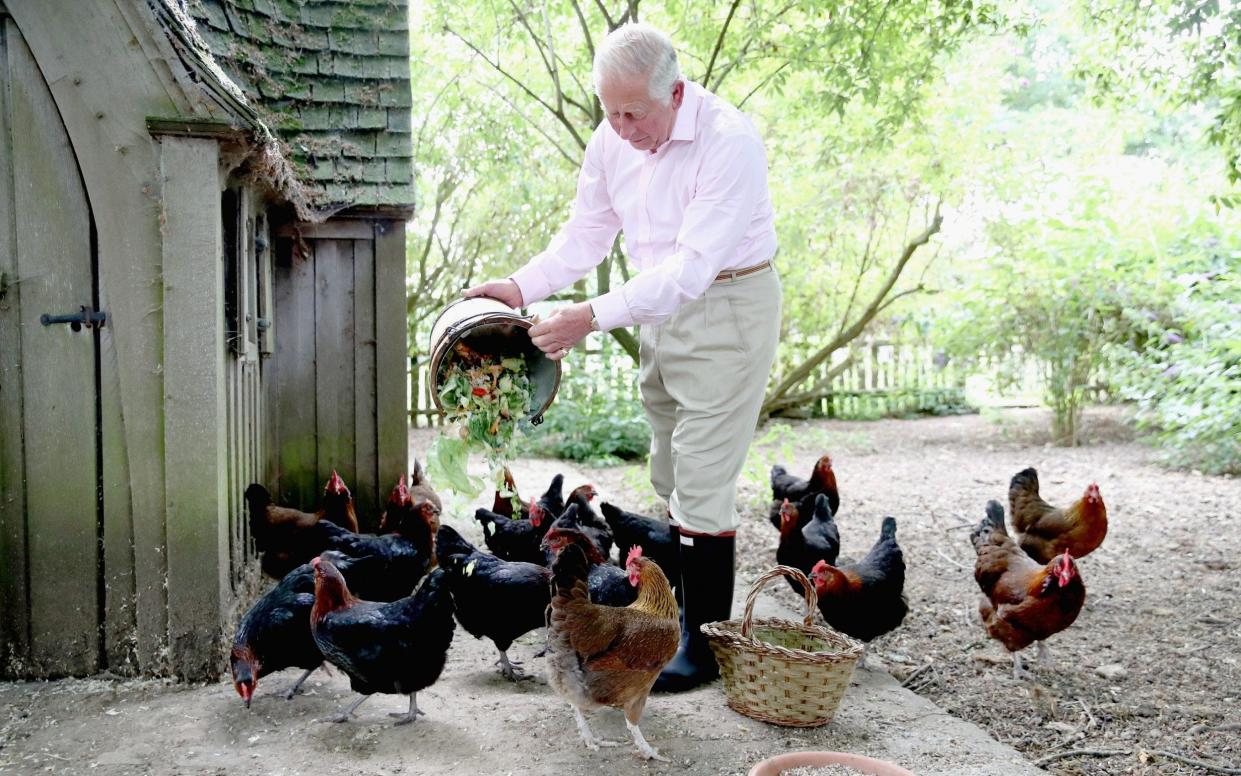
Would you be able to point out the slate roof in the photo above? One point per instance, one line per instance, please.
(332, 80)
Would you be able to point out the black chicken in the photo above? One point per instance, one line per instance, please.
(802, 548)
(398, 647)
(512, 538)
(795, 489)
(656, 538)
(865, 599)
(497, 599)
(608, 583)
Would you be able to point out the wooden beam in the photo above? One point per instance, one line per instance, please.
(193, 127)
(290, 377)
(335, 425)
(195, 418)
(337, 229)
(379, 212)
(391, 352)
(370, 492)
(14, 594)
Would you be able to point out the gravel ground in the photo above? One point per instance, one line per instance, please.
(1150, 666)
(1152, 663)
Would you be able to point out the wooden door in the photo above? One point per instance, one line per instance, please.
(50, 502)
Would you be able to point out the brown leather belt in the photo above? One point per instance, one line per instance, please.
(733, 274)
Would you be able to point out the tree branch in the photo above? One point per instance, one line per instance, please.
(564, 120)
(719, 41)
(800, 373)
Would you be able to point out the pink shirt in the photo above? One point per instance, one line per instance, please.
(697, 206)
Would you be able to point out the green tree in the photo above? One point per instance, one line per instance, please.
(1183, 51)
(790, 62)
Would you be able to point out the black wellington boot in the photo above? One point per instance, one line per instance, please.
(707, 594)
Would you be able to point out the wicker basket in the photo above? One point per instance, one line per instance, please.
(785, 673)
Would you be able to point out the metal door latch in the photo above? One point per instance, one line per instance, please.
(83, 317)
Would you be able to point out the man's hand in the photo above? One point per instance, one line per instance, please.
(504, 290)
(562, 329)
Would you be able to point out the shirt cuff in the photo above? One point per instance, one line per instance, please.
(611, 310)
(532, 283)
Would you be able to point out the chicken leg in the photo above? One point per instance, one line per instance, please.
(509, 668)
(646, 750)
(1019, 671)
(347, 713)
(288, 696)
(588, 736)
(414, 711)
(1044, 657)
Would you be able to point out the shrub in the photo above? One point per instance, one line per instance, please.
(597, 416)
(1187, 379)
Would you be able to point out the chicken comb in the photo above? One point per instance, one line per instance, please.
(635, 552)
(335, 484)
(401, 491)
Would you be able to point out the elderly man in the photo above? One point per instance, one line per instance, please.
(684, 175)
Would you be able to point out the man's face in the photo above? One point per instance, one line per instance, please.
(644, 123)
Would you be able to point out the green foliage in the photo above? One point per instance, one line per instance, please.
(1183, 51)
(1056, 290)
(597, 416)
(518, 104)
(1186, 379)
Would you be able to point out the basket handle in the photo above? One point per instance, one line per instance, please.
(812, 598)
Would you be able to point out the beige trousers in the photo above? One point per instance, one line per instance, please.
(703, 374)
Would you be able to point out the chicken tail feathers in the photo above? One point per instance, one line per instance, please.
(569, 568)
(257, 500)
(1026, 479)
(995, 516)
(418, 477)
(823, 511)
(777, 472)
(992, 523)
(888, 531)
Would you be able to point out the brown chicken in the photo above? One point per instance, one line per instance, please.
(276, 529)
(420, 490)
(610, 656)
(1044, 531)
(1023, 602)
(418, 502)
(267, 519)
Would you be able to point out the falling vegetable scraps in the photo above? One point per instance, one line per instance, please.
(486, 401)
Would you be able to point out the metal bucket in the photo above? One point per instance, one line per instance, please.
(492, 327)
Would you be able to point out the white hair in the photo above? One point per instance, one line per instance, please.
(638, 50)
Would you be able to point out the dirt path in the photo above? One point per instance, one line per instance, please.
(1161, 606)
(1162, 616)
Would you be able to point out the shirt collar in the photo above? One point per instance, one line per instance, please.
(687, 115)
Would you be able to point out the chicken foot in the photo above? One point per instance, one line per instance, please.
(588, 736)
(414, 711)
(288, 696)
(347, 713)
(1019, 670)
(509, 668)
(646, 750)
